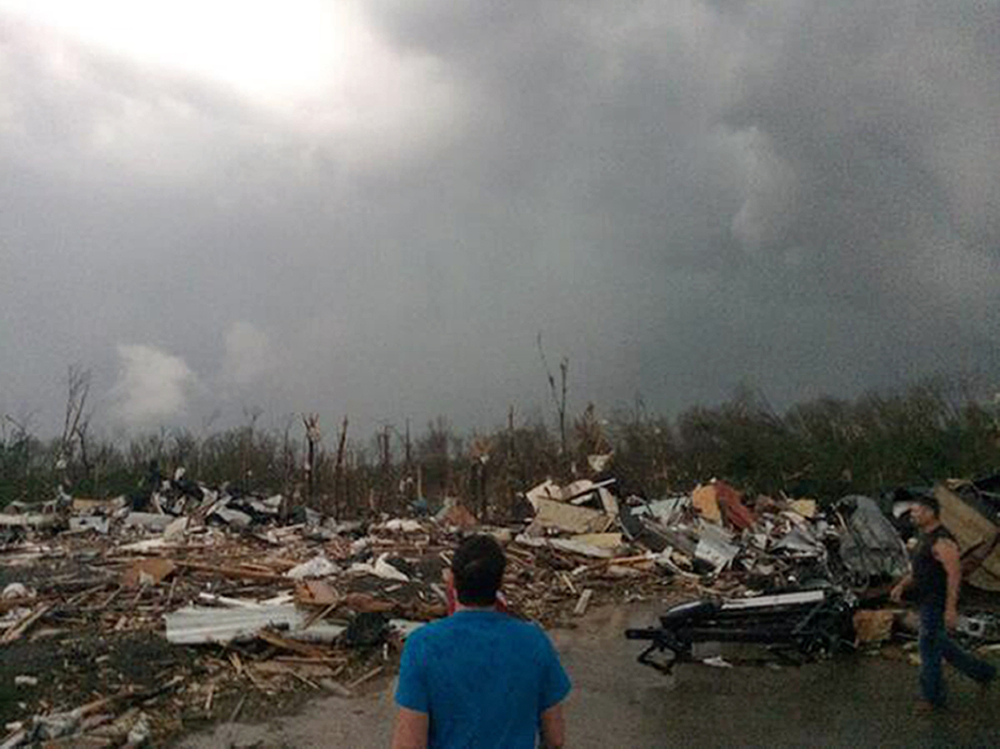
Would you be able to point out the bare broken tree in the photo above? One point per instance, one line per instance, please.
(288, 459)
(511, 462)
(385, 466)
(339, 488)
(248, 438)
(76, 423)
(16, 455)
(558, 397)
(206, 424)
(409, 483)
(313, 436)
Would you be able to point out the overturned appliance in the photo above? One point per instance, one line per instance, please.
(812, 622)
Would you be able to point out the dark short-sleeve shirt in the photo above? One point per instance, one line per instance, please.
(483, 677)
(929, 576)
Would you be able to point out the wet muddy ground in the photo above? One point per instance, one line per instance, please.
(859, 700)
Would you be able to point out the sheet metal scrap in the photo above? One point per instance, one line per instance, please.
(870, 546)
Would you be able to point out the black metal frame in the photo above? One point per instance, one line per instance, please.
(811, 623)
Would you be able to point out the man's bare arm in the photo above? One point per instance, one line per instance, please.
(553, 728)
(411, 729)
(946, 552)
(897, 592)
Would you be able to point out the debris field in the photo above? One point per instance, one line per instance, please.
(125, 623)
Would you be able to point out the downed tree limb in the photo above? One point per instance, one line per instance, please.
(17, 603)
(366, 677)
(581, 605)
(234, 572)
(18, 630)
(293, 646)
(615, 561)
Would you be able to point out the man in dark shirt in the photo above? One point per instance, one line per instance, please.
(936, 578)
(479, 678)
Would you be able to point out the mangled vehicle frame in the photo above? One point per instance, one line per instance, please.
(809, 622)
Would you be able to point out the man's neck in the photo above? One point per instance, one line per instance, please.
(459, 606)
(931, 527)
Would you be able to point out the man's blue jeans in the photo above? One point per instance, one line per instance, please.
(935, 645)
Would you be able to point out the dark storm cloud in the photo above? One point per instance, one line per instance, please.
(876, 126)
(876, 175)
(682, 196)
(831, 171)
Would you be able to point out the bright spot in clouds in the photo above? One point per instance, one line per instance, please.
(279, 51)
(152, 385)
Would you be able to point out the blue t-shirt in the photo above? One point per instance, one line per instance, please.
(484, 678)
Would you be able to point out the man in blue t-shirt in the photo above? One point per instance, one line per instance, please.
(479, 678)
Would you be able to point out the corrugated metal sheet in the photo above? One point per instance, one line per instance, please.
(200, 624)
(196, 624)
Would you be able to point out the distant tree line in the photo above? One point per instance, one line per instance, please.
(824, 448)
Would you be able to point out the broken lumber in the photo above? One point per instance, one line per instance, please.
(234, 572)
(581, 605)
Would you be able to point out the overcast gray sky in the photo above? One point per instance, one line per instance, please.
(373, 207)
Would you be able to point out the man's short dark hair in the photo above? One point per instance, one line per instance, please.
(930, 502)
(478, 567)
